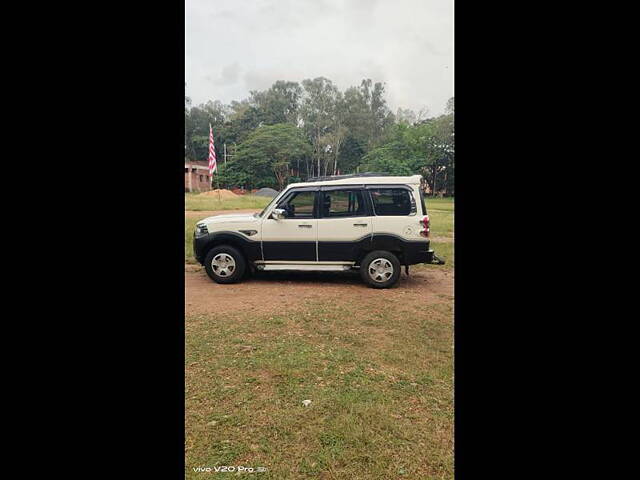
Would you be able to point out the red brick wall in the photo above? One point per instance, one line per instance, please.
(197, 184)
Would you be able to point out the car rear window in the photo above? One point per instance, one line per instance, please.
(391, 201)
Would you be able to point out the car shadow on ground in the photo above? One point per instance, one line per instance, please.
(322, 278)
(305, 279)
(336, 278)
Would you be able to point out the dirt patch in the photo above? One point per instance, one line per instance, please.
(276, 291)
(223, 193)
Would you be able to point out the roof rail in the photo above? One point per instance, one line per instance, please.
(354, 175)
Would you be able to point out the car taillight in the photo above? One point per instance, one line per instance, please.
(425, 223)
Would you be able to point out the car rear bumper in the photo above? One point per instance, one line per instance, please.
(425, 255)
(417, 252)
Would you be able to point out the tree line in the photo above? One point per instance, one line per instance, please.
(293, 131)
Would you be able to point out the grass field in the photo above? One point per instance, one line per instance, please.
(378, 368)
(194, 201)
(441, 213)
(380, 379)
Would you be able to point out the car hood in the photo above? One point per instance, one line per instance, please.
(231, 218)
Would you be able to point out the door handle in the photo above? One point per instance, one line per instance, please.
(305, 226)
(359, 224)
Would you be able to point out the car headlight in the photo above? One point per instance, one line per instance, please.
(201, 229)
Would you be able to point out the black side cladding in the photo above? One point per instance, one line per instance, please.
(411, 252)
(344, 251)
(250, 248)
(294, 251)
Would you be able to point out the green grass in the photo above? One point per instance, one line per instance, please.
(441, 223)
(445, 251)
(194, 201)
(441, 212)
(189, 225)
(380, 380)
(437, 203)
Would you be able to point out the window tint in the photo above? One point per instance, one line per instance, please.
(343, 203)
(300, 205)
(391, 201)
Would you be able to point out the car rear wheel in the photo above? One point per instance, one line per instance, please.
(225, 264)
(380, 269)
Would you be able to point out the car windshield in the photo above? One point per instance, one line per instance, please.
(259, 215)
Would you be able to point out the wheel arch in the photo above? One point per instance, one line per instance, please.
(248, 248)
(389, 243)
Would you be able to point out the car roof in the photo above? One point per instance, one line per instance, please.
(361, 180)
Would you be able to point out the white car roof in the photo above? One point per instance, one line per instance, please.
(362, 180)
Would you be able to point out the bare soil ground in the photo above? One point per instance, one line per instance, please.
(276, 291)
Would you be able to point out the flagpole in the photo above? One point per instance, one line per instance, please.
(215, 167)
(218, 184)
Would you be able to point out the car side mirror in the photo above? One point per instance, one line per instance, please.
(278, 214)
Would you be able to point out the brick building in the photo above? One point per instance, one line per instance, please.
(196, 177)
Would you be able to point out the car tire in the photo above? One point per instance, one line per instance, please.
(225, 264)
(380, 269)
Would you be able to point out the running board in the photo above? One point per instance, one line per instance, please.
(303, 267)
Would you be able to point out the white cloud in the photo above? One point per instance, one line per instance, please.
(233, 46)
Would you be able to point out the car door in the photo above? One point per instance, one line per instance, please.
(344, 223)
(294, 237)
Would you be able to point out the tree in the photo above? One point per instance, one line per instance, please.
(341, 133)
(350, 155)
(197, 121)
(366, 114)
(265, 158)
(318, 113)
(426, 148)
(449, 109)
(278, 104)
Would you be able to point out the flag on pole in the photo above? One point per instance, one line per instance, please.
(213, 166)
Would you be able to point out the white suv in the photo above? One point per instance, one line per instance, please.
(371, 222)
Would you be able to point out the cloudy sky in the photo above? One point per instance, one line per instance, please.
(234, 46)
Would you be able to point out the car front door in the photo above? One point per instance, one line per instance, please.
(294, 237)
(345, 223)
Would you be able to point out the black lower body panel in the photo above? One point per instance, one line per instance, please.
(295, 251)
(343, 251)
(418, 255)
(409, 252)
(250, 248)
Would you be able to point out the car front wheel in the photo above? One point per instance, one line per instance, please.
(225, 264)
(380, 269)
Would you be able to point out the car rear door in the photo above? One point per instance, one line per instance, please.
(344, 223)
(395, 212)
(292, 238)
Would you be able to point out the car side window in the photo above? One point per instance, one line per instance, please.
(343, 203)
(299, 205)
(391, 201)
